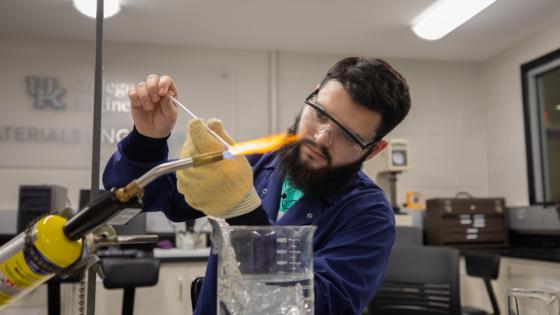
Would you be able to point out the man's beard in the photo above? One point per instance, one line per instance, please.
(318, 182)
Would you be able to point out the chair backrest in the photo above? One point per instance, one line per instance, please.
(409, 235)
(196, 286)
(485, 266)
(121, 273)
(482, 265)
(419, 280)
(129, 273)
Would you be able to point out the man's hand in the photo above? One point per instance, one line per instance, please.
(223, 189)
(152, 111)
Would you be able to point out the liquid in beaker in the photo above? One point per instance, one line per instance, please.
(265, 269)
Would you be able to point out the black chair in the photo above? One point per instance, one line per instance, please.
(421, 280)
(409, 235)
(484, 266)
(196, 287)
(128, 274)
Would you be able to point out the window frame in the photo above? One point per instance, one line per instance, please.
(534, 132)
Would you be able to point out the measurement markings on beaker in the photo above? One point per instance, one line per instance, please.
(294, 255)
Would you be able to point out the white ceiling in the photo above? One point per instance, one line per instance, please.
(362, 27)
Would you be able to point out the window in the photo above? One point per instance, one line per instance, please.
(541, 102)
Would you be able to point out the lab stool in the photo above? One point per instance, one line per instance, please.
(486, 267)
(128, 274)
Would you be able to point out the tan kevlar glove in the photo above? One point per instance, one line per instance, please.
(222, 189)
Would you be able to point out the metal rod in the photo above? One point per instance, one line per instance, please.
(96, 146)
(183, 106)
(196, 117)
(97, 99)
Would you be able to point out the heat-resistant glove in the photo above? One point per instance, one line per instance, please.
(222, 189)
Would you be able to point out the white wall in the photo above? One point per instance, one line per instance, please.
(507, 166)
(446, 133)
(229, 84)
(445, 127)
(27, 161)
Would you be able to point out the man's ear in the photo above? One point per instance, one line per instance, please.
(377, 148)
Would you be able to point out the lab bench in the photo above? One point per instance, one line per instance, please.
(519, 267)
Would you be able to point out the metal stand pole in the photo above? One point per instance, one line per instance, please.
(96, 146)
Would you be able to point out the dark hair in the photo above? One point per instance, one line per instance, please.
(373, 83)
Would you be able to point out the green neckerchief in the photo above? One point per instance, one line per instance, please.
(288, 197)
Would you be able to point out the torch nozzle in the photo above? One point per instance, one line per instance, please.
(207, 158)
(172, 166)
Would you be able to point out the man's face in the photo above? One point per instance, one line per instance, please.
(325, 159)
(324, 144)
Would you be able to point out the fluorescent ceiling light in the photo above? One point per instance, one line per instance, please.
(557, 107)
(89, 7)
(446, 15)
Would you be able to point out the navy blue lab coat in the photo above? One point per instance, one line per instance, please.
(354, 236)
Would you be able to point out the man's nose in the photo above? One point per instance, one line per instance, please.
(323, 136)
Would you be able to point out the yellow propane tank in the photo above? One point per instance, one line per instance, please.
(34, 256)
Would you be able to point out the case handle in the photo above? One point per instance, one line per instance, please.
(464, 194)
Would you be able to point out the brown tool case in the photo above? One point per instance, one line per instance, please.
(466, 222)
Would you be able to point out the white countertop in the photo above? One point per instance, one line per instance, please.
(178, 253)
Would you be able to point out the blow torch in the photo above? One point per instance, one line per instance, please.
(56, 245)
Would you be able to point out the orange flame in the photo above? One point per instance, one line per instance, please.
(264, 144)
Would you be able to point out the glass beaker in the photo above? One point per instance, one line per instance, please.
(532, 302)
(265, 270)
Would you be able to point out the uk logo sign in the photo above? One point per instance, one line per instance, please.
(45, 92)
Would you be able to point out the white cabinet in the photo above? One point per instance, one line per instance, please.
(171, 296)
